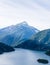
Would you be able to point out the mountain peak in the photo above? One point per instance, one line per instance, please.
(24, 22)
(17, 33)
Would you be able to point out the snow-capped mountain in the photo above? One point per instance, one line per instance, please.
(16, 34)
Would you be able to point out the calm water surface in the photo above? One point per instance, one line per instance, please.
(23, 57)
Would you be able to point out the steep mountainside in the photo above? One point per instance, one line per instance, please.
(43, 38)
(39, 41)
(15, 34)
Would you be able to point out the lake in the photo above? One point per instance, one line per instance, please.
(23, 57)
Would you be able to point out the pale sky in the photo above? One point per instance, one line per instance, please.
(35, 12)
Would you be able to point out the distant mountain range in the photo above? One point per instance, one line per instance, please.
(16, 34)
(39, 41)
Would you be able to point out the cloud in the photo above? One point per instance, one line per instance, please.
(35, 12)
(44, 3)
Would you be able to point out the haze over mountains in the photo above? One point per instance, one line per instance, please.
(16, 34)
(39, 41)
(24, 36)
(26, 43)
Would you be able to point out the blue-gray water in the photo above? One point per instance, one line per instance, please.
(23, 57)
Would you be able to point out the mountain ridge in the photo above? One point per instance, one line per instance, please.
(39, 41)
(14, 34)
